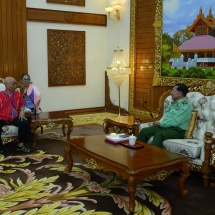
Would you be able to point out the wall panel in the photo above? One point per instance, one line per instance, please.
(13, 38)
(144, 62)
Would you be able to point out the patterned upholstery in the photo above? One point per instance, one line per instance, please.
(204, 121)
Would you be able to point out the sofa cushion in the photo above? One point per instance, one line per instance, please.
(187, 147)
(9, 130)
(2, 87)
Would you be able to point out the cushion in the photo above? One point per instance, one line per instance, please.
(9, 130)
(192, 124)
(2, 87)
(187, 147)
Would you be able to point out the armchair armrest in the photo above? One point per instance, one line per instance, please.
(208, 162)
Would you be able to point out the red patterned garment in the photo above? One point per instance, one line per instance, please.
(10, 105)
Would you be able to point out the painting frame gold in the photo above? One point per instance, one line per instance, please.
(159, 80)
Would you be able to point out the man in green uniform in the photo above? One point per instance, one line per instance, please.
(175, 121)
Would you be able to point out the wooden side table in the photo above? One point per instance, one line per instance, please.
(49, 120)
(122, 124)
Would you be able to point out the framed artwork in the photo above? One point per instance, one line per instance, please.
(70, 2)
(185, 42)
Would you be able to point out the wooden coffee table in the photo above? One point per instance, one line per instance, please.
(49, 120)
(147, 163)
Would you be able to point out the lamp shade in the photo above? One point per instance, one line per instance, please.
(108, 9)
(117, 7)
(118, 69)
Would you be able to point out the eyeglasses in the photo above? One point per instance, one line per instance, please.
(26, 79)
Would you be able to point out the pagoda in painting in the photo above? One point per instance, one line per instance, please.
(200, 49)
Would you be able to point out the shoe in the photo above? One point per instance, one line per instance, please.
(23, 149)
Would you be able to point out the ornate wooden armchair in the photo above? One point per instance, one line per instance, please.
(195, 145)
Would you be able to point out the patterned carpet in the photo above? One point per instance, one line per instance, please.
(91, 118)
(37, 183)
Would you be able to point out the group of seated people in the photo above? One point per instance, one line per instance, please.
(12, 109)
(13, 103)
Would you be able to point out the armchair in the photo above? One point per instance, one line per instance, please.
(195, 145)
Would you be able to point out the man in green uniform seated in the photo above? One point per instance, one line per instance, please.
(175, 121)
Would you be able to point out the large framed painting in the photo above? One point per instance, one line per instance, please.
(185, 42)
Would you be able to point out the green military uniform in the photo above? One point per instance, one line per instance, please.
(173, 124)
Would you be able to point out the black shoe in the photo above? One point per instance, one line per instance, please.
(23, 149)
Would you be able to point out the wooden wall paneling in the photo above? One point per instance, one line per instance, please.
(24, 39)
(9, 36)
(13, 39)
(4, 41)
(42, 15)
(19, 35)
(145, 57)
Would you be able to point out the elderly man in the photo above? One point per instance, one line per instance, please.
(174, 122)
(12, 113)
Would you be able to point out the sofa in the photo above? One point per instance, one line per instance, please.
(196, 145)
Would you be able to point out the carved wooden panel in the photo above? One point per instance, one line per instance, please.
(66, 58)
(56, 16)
(71, 2)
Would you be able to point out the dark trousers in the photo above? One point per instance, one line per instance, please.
(24, 132)
(160, 134)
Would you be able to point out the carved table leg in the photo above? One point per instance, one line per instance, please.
(70, 128)
(68, 151)
(132, 191)
(185, 172)
(131, 130)
(106, 127)
(63, 130)
(33, 131)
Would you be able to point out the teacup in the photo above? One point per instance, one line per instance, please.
(132, 140)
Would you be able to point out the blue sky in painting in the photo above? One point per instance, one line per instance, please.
(177, 14)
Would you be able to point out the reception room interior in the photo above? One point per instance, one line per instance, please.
(102, 65)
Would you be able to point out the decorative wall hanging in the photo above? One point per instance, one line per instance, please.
(185, 47)
(66, 58)
(70, 2)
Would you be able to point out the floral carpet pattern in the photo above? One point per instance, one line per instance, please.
(91, 118)
(37, 183)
